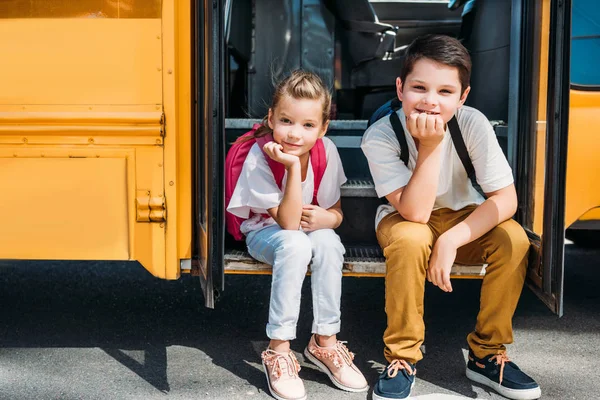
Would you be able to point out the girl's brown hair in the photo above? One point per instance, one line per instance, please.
(299, 85)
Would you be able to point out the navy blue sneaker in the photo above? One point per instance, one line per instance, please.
(396, 381)
(499, 373)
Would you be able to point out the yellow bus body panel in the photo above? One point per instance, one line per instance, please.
(583, 163)
(81, 61)
(95, 132)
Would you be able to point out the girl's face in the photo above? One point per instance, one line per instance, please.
(297, 124)
(431, 88)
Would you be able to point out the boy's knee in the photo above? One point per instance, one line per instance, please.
(510, 235)
(409, 237)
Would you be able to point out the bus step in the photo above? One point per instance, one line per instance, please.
(358, 188)
(359, 261)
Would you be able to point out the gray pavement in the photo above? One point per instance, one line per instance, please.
(99, 330)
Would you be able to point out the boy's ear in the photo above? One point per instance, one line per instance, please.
(269, 122)
(399, 88)
(324, 131)
(463, 98)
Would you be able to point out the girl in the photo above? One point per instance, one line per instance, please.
(288, 232)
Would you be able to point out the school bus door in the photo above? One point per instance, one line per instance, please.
(208, 148)
(537, 123)
(542, 126)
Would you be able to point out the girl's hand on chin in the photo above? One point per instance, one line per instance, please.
(275, 151)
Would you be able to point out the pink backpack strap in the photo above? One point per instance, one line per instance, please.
(318, 160)
(234, 163)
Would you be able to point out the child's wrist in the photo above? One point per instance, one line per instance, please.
(335, 220)
(295, 164)
(453, 237)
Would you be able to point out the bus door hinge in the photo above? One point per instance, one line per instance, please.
(163, 131)
(150, 208)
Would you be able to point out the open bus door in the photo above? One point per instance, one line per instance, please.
(542, 143)
(537, 136)
(208, 148)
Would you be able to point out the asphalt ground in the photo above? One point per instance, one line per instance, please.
(109, 330)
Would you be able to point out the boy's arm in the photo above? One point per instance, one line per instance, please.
(499, 207)
(415, 201)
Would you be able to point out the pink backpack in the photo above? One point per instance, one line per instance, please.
(235, 161)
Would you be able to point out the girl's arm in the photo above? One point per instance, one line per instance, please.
(315, 217)
(336, 212)
(289, 211)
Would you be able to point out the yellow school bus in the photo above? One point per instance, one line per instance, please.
(115, 116)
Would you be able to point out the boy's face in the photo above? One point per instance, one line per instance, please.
(431, 88)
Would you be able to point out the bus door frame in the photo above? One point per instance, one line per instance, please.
(545, 274)
(208, 148)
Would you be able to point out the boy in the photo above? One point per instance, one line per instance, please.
(436, 217)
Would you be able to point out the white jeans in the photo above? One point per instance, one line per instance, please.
(290, 252)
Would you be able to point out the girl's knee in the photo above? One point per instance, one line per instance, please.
(326, 240)
(296, 246)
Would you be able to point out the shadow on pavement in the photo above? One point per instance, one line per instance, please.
(119, 308)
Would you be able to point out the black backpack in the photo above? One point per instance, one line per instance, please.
(390, 108)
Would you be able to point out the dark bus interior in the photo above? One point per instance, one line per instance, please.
(357, 47)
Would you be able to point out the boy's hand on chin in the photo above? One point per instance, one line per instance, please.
(275, 151)
(440, 264)
(428, 129)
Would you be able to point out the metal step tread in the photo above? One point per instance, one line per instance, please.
(358, 261)
(358, 188)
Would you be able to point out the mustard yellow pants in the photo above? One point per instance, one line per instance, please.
(407, 247)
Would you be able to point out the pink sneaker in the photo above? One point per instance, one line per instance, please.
(336, 362)
(281, 370)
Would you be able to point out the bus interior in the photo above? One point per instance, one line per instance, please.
(358, 50)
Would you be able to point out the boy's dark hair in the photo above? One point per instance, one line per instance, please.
(441, 49)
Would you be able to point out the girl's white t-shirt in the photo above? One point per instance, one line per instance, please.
(256, 190)
(455, 190)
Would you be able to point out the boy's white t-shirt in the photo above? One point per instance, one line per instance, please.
(455, 190)
(256, 190)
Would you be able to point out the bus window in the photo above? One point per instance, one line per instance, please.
(585, 43)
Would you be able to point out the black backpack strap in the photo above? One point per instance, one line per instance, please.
(463, 154)
(399, 131)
